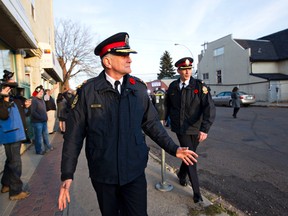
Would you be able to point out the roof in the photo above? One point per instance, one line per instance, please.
(272, 47)
(261, 50)
(271, 76)
(280, 43)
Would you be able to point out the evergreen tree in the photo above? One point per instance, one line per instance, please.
(166, 66)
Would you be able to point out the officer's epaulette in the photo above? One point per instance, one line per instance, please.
(139, 80)
(85, 82)
(199, 81)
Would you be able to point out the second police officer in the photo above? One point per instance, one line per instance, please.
(192, 112)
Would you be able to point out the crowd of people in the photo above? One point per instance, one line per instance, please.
(16, 115)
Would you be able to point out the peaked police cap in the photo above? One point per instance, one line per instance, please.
(184, 63)
(117, 44)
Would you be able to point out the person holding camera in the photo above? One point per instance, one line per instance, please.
(12, 133)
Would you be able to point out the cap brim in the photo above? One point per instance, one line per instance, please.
(124, 51)
(183, 68)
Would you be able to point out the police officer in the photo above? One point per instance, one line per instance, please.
(192, 112)
(110, 111)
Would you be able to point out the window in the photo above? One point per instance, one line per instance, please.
(205, 76)
(218, 51)
(219, 76)
(6, 60)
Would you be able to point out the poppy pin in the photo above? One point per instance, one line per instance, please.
(132, 81)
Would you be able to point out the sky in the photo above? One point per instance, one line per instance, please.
(155, 26)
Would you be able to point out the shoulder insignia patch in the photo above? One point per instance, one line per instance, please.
(204, 89)
(74, 101)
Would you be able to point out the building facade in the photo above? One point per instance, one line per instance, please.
(27, 46)
(255, 66)
(27, 43)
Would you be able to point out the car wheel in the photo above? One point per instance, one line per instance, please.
(230, 103)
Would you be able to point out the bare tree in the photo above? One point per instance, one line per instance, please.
(74, 50)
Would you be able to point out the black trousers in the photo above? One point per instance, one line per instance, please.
(12, 169)
(235, 111)
(192, 142)
(125, 200)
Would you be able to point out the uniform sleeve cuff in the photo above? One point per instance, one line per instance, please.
(65, 176)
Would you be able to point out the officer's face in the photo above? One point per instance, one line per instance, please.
(185, 74)
(120, 64)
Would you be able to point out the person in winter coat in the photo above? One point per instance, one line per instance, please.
(110, 111)
(39, 122)
(12, 133)
(192, 112)
(235, 101)
(51, 108)
(62, 111)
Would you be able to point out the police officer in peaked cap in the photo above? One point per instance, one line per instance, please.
(192, 112)
(111, 111)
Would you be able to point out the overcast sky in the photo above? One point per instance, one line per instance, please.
(156, 25)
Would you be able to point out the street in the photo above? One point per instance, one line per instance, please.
(245, 160)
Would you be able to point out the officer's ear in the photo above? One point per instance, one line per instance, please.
(106, 60)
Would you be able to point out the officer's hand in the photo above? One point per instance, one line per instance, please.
(186, 155)
(64, 194)
(202, 136)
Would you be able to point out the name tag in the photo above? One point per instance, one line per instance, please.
(93, 106)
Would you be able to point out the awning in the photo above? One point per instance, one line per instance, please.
(55, 70)
(15, 26)
(50, 63)
(271, 76)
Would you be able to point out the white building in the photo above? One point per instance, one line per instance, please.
(256, 66)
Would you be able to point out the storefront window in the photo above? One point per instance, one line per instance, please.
(5, 60)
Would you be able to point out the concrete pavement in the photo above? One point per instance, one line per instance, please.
(267, 104)
(41, 176)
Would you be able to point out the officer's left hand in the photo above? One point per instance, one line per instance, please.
(186, 155)
(64, 195)
(202, 136)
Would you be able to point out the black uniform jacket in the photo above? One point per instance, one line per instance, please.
(112, 125)
(191, 109)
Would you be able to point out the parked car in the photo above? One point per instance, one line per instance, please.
(224, 98)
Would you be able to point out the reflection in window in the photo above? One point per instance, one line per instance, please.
(219, 51)
(5, 61)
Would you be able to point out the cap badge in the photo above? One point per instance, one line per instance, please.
(187, 62)
(127, 40)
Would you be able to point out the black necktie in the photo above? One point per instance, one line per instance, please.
(116, 84)
(183, 86)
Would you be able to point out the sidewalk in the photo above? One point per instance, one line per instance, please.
(267, 104)
(41, 175)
